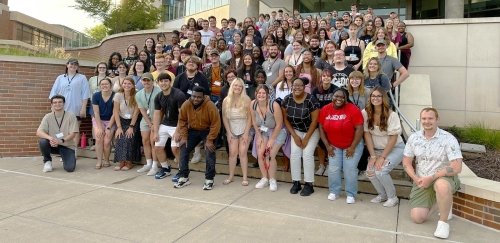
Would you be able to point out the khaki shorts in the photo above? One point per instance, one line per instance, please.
(426, 197)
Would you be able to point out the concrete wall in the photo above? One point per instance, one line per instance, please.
(25, 84)
(462, 58)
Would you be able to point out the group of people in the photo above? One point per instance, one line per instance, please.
(305, 86)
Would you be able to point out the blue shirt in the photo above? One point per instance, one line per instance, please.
(74, 89)
(105, 107)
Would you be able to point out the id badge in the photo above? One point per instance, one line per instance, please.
(128, 116)
(269, 74)
(246, 86)
(190, 92)
(217, 83)
(59, 135)
(264, 128)
(147, 112)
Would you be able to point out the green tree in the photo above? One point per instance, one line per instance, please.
(130, 15)
(97, 32)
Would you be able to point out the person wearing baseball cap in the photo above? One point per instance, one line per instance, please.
(145, 101)
(74, 87)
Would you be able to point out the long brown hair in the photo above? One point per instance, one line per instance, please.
(315, 80)
(282, 86)
(133, 102)
(386, 110)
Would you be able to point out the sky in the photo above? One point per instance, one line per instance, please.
(54, 12)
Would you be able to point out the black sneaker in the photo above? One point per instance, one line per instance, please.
(162, 173)
(296, 187)
(209, 185)
(308, 189)
(182, 182)
(176, 177)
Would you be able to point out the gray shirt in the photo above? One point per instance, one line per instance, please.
(272, 69)
(389, 65)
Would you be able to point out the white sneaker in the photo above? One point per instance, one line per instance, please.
(332, 196)
(196, 156)
(152, 171)
(262, 183)
(379, 199)
(350, 200)
(273, 185)
(391, 202)
(442, 230)
(47, 166)
(321, 170)
(144, 169)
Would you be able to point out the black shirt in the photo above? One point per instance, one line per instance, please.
(299, 115)
(170, 105)
(186, 85)
(324, 97)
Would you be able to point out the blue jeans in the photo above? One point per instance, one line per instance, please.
(350, 168)
(67, 154)
(194, 138)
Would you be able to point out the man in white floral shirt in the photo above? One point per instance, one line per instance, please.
(438, 162)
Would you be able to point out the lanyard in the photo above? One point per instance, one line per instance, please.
(70, 80)
(57, 122)
(271, 65)
(354, 99)
(150, 95)
(263, 114)
(297, 59)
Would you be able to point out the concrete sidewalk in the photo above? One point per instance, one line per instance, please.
(106, 206)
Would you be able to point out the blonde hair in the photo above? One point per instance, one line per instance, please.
(240, 102)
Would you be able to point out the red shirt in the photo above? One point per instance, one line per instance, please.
(339, 125)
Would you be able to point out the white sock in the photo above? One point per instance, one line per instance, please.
(155, 164)
(164, 164)
(149, 162)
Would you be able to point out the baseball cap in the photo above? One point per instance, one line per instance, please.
(147, 76)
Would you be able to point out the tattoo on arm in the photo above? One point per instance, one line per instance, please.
(449, 170)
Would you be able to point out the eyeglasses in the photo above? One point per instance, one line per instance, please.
(376, 96)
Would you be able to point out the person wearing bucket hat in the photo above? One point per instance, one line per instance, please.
(145, 101)
(74, 87)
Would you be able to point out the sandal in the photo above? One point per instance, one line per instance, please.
(106, 164)
(227, 181)
(98, 166)
(128, 165)
(244, 183)
(119, 166)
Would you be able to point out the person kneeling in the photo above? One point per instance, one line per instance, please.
(56, 132)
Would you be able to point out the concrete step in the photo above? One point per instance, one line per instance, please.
(401, 181)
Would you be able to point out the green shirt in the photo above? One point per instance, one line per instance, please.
(147, 101)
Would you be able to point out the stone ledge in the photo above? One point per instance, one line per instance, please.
(44, 60)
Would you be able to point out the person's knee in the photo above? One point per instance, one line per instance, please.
(442, 187)
(43, 142)
(417, 216)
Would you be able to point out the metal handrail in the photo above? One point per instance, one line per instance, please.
(396, 105)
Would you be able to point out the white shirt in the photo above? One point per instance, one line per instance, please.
(205, 36)
(434, 153)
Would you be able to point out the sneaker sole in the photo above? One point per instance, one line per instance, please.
(183, 185)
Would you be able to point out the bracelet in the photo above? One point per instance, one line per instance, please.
(62, 139)
(132, 125)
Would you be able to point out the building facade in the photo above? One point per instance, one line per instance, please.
(16, 26)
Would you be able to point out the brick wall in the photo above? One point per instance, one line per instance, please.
(24, 91)
(114, 43)
(476, 209)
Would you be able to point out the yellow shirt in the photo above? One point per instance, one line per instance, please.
(371, 51)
